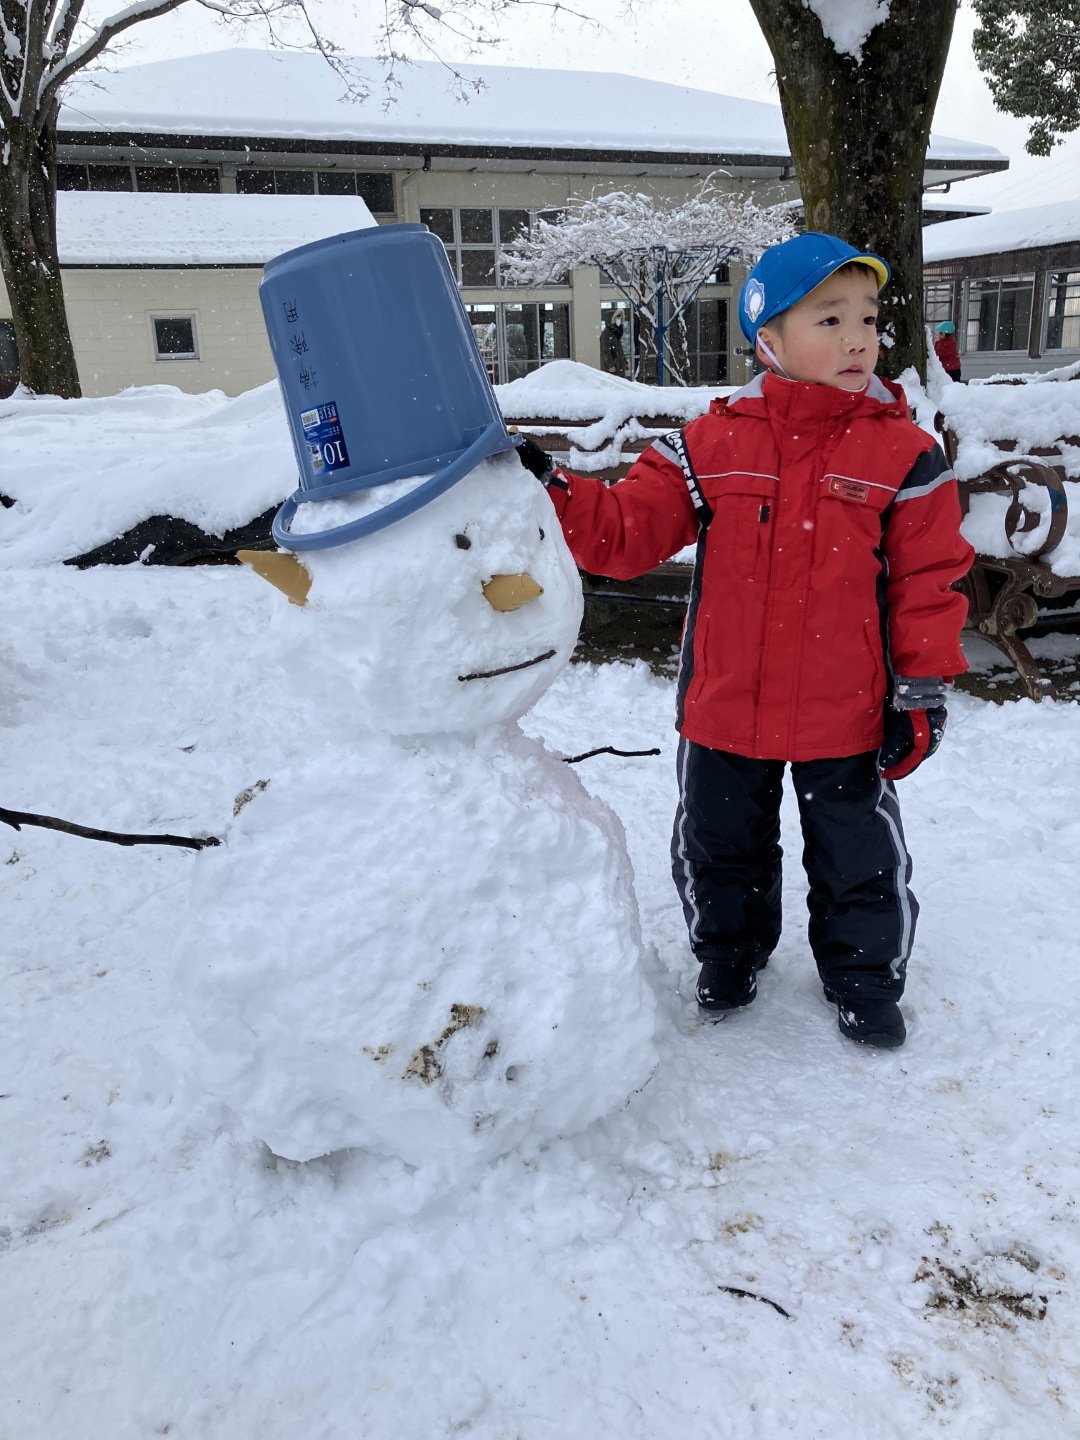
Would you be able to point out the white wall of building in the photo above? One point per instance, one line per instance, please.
(110, 312)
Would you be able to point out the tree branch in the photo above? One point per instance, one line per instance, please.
(18, 818)
(55, 75)
(61, 27)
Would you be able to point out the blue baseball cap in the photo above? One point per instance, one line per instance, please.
(789, 271)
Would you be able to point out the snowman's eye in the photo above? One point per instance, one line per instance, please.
(462, 542)
(541, 532)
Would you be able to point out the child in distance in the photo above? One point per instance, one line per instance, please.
(821, 630)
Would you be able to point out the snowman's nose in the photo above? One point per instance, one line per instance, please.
(511, 592)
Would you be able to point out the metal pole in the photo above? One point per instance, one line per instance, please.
(661, 326)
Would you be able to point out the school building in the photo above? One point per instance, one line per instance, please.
(477, 158)
(1010, 283)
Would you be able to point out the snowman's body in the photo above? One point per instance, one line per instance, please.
(423, 940)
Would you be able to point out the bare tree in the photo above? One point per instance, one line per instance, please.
(858, 121)
(43, 43)
(659, 254)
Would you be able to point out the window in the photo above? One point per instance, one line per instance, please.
(375, 188)
(516, 339)
(706, 342)
(475, 238)
(698, 338)
(174, 337)
(94, 177)
(187, 179)
(295, 182)
(72, 177)
(198, 180)
(158, 178)
(110, 177)
(376, 191)
(255, 182)
(999, 313)
(337, 182)
(1062, 311)
(938, 303)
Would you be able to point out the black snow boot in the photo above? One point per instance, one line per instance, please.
(871, 1022)
(728, 984)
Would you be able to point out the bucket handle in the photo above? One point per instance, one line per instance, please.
(491, 440)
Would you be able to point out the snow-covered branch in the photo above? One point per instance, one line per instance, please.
(594, 232)
(658, 253)
(60, 64)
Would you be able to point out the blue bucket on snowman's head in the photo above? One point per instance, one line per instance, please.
(379, 371)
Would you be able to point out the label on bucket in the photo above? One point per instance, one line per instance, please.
(325, 441)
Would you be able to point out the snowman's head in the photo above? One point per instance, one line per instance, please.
(457, 617)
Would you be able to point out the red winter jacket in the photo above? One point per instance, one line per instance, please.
(946, 351)
(834, 540)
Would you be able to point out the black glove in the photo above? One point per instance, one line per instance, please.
(915, 720)
(534, 459)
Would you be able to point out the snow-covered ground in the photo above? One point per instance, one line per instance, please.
(778, 1235)
(914, 1214)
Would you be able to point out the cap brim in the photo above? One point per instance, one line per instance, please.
(879, 267)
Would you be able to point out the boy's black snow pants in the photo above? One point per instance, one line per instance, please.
(726, 854)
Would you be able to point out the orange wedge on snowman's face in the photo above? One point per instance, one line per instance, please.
(282, 569)
(287, 573)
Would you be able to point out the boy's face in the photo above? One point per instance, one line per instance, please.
(830, 337)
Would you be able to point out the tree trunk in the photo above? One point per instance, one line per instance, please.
(858, 131)
(30, 261)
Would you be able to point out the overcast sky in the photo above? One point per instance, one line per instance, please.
(709, 44)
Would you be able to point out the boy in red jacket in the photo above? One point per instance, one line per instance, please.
(820, 630)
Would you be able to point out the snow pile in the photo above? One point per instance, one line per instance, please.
(422, 937)
(567, 390)
(1032, 377)
(848, 23)
(85, 471)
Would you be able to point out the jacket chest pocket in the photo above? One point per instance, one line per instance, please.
(847, 531)
(744, 514)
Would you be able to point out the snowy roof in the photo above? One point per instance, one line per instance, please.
(947, 207)
(265, 93)
(119, 228)
(1004, 230)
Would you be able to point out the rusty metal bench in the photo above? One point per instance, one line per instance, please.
(1019, 592)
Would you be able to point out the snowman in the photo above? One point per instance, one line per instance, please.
(421, 939)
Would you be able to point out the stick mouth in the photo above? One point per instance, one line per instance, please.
(509, 669)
